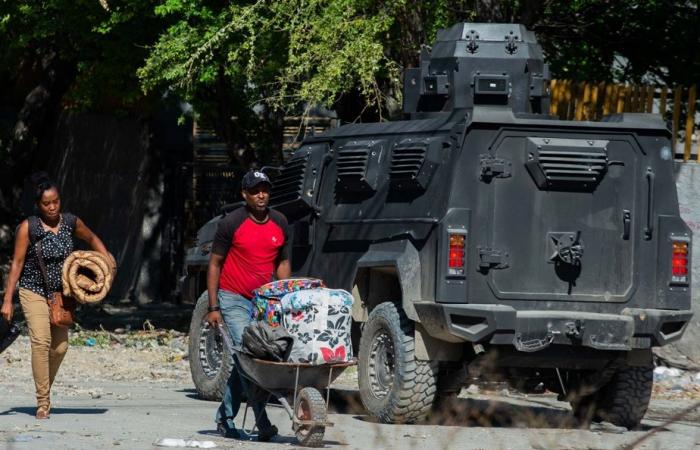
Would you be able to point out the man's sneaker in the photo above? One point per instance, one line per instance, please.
(226, 431)
(267, 434)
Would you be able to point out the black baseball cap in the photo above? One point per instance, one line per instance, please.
(254, 178)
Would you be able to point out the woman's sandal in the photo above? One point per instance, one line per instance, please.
(42, 412)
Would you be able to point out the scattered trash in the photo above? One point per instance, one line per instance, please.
(22, 438)
(663, 373)
(169, 442)
(473, 389)
(90, 342)
(673, 383)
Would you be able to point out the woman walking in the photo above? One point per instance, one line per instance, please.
(53, 233)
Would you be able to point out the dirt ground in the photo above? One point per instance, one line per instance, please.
(131, 390)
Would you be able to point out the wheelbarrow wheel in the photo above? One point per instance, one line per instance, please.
(310, 406)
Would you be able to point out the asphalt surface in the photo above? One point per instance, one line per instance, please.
(135, 415)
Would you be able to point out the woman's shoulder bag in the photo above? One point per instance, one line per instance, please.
(61, 309)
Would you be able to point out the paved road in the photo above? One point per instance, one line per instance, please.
(134, 415)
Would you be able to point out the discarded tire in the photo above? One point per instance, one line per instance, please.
(310, 406)
(210, 361)
(395, 387)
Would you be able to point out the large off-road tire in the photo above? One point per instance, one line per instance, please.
(310, 406)
(210, 361)
(623, 401)
(395, 387)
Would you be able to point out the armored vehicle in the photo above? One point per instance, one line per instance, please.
(482, 237)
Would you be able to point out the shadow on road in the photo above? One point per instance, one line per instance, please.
(32, 410)
(467, 412)
(464, 412)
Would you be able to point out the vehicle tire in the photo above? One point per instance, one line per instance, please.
(395, 387)
(623, 401)
(310, 406)
(210, 361)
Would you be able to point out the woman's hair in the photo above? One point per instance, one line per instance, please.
(42, 183)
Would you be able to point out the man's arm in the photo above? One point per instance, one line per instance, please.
(213, 274)
(284, 269)
(220, 248)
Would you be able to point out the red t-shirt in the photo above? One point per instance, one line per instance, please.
(252, 250)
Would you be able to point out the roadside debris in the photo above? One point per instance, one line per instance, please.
(96, 357)
(672, 383)
(169, 442)
(607, 427)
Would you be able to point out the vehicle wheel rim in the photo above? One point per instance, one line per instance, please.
(381, 364)
(210, 350)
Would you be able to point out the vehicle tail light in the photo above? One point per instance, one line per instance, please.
(679, 263)
(456, 255)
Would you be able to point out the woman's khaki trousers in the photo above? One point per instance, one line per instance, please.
(49, 343)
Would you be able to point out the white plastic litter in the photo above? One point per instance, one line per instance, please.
(169, 442)
(665, 373)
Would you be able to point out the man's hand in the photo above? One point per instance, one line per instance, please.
(6, 310)
(214, 319)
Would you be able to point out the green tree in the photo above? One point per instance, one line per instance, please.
(605, 40)
(244, 64)
(57, 54)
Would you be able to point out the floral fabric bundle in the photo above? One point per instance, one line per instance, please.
(267, 297)
(302, 300)
(320, 321)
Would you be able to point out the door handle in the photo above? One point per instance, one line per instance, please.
(649, 229)
(626, 223)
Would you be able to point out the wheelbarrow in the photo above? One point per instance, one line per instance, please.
(300, 382)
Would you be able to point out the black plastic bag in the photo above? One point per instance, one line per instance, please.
(8, 333)
(262, 341)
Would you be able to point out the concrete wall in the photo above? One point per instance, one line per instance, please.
(686, 352)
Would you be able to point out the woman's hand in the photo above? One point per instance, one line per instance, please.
(6, 311)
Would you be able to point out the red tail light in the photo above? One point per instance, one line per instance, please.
(456, 255)
(679, 263)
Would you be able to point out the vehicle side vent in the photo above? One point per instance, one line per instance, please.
(412, 164)
(289, 183)
(294, 188)
(567, 164)
(358, 166)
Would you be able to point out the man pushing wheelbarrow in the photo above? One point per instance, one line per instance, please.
(302, 342)
(249, 247)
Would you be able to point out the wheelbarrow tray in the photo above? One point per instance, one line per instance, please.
(276, 376)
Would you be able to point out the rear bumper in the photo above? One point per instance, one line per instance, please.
(530, 331)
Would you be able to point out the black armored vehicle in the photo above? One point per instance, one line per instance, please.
(481, 236)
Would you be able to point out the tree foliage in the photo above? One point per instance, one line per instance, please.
(244, 64)
(64, 54)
